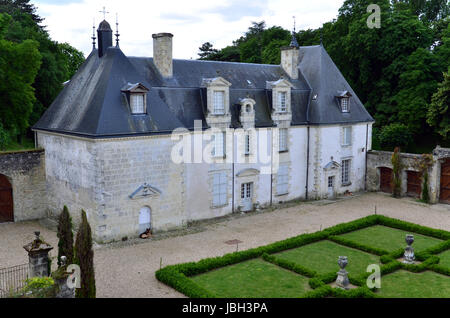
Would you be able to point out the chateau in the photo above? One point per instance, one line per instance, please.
(275, 133)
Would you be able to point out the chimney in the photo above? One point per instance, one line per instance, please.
(290, 58)
(162, 53)
(104, 37)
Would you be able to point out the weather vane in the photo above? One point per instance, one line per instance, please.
(117, 30)
(294, 23)
(93, 36)
(104, 13)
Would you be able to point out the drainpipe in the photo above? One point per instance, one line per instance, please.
(367, 143)
(271, 167)
(307, 164)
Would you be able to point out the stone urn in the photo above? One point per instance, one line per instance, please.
(408, 257)
(342, 279)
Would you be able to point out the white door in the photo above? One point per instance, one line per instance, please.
(247, 197)
(330, 187)
(144, 219)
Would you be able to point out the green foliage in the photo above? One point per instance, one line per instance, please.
(396, 174)
(19, 65)
(438, 115)
(395, 135)
(425, 191)
(38, 287)
(84, 257)
(289, 265)
(4, 138)
(65, 236)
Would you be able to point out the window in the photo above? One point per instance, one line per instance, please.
(282, 105)
(220, 186)
(330, 182)
(138, 104)
(347, 136)
(283, 180)
(246, 190)
(219, 103)
(346, 171)
(345, 105)
(218, 145)
(283, 136)
(247, 144)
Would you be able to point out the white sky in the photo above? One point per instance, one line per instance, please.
(192, 22)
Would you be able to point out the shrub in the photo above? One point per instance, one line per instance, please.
(38, 287)
(84, 257)
(396, 174)
(65, 236)
(395, 135)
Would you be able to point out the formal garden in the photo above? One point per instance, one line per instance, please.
(307, 266)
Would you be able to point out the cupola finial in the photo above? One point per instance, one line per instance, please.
(93, 36)
(104, 13)
(117, 30)
(294, 42)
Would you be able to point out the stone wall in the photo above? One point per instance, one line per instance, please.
(26, 172)
(379, 159)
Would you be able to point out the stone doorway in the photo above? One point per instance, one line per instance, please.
(6, 200)
(445, 182)
(414, 184)
(385, 180)
(145, 219)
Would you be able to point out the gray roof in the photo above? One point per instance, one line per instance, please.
(328, 84)
(93, 105)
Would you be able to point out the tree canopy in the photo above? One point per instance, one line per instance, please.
(36, 66)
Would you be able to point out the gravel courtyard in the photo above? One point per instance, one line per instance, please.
(126, 270)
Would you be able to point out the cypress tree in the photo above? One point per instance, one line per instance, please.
(84, 257)
(65, 236)
(396, 174)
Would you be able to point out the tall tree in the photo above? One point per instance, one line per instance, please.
(65, 236)
(207, 50)
(84, 257)
(439, 113)
(19, 65)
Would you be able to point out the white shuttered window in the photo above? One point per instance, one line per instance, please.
(220, 184)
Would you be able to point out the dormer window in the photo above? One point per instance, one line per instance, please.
(282, 105)
(344, 105)
(344, 101)
(136, 95)
(219, 103)
(137, 103)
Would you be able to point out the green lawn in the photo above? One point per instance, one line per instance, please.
(404, 284)
(445, 259)
(322, 257)
(389, 239)
(253, 279)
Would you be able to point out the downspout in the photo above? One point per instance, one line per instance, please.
(367, 144)
(271, 167)
(307, 164)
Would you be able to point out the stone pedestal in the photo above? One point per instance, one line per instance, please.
(342, 280)
(38, 251)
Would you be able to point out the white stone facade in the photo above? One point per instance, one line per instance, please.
(101, 176)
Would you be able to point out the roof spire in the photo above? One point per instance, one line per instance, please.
(93, 36)
(294, 42)
(117, 30)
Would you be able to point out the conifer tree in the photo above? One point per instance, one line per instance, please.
(84, 257)
(65, 236)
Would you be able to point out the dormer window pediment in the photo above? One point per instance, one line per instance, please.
(281, 95)
(218, 92)
(136, 97)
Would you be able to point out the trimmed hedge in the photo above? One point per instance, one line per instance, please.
(177, 276)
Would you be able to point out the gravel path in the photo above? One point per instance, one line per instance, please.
(129, 271)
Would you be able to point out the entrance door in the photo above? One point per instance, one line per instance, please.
(385, 180)
(331, 187)
(144, 219)
(414, 184)
(247, 197)
(445, 182)
(6, 200)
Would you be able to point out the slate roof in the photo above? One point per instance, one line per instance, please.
(93, 105)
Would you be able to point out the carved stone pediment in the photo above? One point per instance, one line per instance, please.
(332, 165)
(145, 191)
(248, 173)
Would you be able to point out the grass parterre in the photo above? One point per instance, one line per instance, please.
(306, 265)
